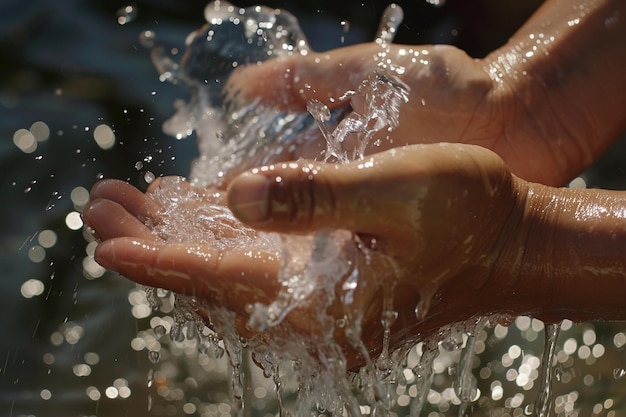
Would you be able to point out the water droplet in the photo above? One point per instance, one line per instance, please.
(544, 398)
(159, 331)
(149, 177)
(147, 38)
(219, 352)
(619, 373)
(150, 378)
(154, 356)
(388, 318)
(389, 23)
(126, 14)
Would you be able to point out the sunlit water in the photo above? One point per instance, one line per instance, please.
(230, 132)
(493, 370)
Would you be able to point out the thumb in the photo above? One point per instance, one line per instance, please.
(291, 82)
(304, 197)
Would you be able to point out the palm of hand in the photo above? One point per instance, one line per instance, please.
(434, 203)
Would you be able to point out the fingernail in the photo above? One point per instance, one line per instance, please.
(248, 197)
(105, 255)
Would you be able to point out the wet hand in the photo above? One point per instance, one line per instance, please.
(453, 98)
(432, 221)
(427, 220)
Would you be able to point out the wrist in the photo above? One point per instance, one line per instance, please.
(564, 255)
(559, 80)
(514, 288)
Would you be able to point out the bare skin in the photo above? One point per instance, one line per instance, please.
(549, 102)
(449, 221)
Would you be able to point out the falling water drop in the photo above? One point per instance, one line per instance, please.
(147, 38)
(424, 373)
(154, 356)
(126, 14)
(545, 391)
(389, 23)
(384, 362)
(159, 331)
(149, 177)
(345, 27)
(150, 378)
(465, 386)
(421, 309)
(219, 352)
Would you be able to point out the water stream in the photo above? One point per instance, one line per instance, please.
(476, 368)
(230, 132)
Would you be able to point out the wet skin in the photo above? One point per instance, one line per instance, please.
(549, 102)
(446, 223)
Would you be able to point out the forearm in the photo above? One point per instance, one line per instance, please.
(571, 253)
(565, 70)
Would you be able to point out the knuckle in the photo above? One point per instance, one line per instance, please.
(309, 197)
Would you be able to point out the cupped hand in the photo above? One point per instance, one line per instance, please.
(429, 223)
(452, 98)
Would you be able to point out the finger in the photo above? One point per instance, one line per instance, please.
(291, 82)
(234, 278)
(134, 201)
(376, 196)
(109, 220)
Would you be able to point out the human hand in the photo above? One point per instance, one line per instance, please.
(430, 219)
(489, 102)
(449, 91)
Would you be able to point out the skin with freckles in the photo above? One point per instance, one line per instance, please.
(549, 102)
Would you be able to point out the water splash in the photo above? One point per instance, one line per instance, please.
(389, 23)
(231, 131)
(424, 374)
(465, 387)
(542, 407)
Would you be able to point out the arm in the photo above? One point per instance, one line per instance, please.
(549, 102)
(566, 251)
(564, 70)
(446, 223)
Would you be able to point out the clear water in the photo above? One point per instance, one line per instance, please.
(71, 345)
(229, 132)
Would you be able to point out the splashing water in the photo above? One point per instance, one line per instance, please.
(233, 133)
(545, 392)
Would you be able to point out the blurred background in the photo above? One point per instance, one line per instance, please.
(80, 100)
